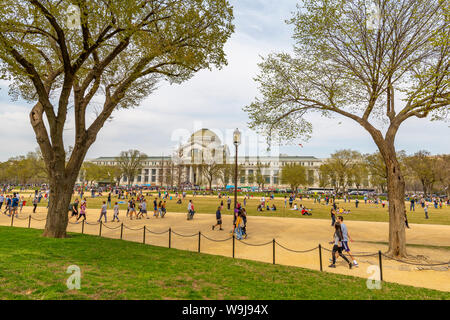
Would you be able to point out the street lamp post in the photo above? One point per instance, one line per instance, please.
(236, 142)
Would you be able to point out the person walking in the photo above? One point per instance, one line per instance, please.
(2, 199)
(425, 209)
(116, 212)
(191, 212)
(412, 204)
(346, 238)
(82, 210)
(333, 217)
(15, 204)
(22, 203)
(103, 212)
(163, 209)
(337, 246)
(155, 208)
(228, 203)
(8, 206)
(406, 220)
(35, 203)
(132, 209)
(109, 200)
(218, 219)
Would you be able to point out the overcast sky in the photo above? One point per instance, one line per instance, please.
(214, 100)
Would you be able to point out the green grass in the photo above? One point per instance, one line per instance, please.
(365, 212)
(33, 267)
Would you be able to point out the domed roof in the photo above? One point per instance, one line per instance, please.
(204, 136)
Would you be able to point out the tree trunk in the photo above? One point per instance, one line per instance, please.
(60, 196)
(396, 194)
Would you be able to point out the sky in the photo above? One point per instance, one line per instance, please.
(214, 99)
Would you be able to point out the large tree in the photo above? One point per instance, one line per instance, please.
(443, 173)
(377, 74)
(423, 167)
(130, 162)
(293, 175)
(341, 168)
(210, 171)
(93, 57)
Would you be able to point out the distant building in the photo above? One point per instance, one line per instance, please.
(205, 148)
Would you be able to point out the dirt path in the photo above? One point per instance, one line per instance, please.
(296, 234)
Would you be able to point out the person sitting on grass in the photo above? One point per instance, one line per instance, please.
(305, 212)
(274, 208)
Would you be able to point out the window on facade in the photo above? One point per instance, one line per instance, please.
(139, 179)
(146, 179)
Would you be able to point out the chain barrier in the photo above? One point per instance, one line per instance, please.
(21, 219)
(255, 245)
(417, 264)
(110, 227)
(216, 240)
(158, 233)
(295, 251)
(356, 254)
(38, 219)
(132, 228)
(185, 236)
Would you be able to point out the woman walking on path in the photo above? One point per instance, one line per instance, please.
(82, 210)
(337, 246)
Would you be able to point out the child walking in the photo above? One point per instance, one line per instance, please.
(116, 212)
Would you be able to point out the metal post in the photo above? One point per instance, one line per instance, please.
(273, 251)
(320, 257)
(82, 227)
(100, 229)
(143, 240)
(12, 219)
(235, 177)
(199, 238)
(121, 231)
(29, 221)
(381, 265)
(233, 245)
(170, 238)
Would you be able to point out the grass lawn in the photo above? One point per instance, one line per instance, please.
(33, 267)
(365, 212)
